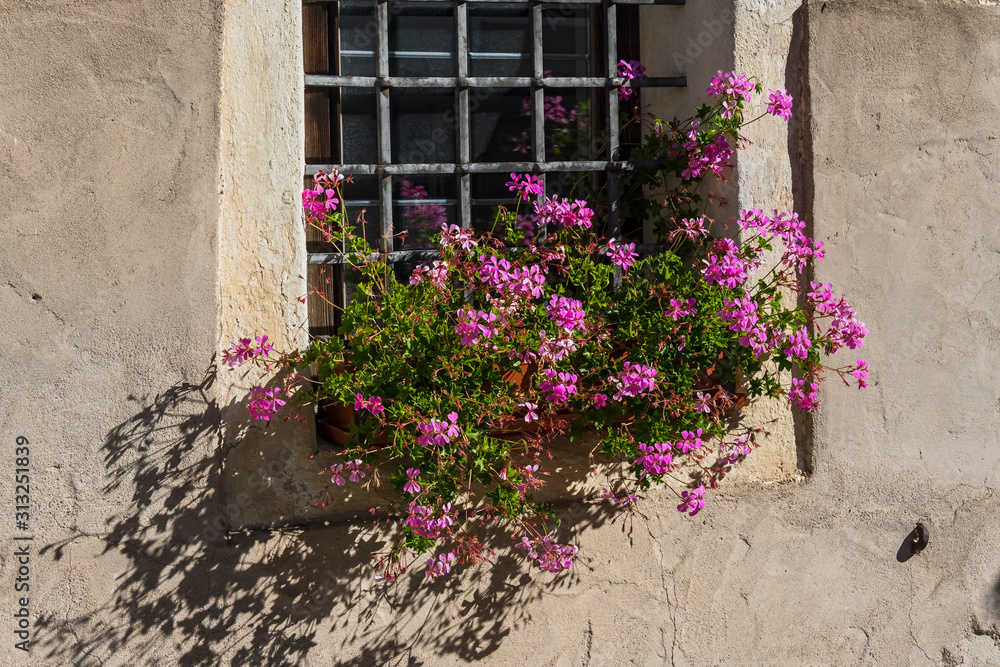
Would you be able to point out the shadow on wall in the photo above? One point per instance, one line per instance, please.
(800, 157)
(994, 599)
(194, 594)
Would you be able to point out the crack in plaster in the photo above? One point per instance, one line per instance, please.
(909, 617)
(589, 636)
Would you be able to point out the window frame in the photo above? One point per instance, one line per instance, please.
(462, 169)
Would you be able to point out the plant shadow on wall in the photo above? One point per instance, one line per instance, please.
(192, 589)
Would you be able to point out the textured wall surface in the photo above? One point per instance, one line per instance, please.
(267, 477)
(109, 168)
(697, 40)
(117, 173)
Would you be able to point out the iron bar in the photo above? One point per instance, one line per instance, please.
(644, 250)
(547, 2)
(330, 81)
(487, 167)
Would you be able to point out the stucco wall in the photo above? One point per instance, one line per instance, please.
(109, 133)
(118, 172)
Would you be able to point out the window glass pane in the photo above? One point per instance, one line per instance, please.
(361, 197)
(422, 125)
(569, 130)
(489, 192)
(357, 118)
(421, 39)
(566, 40)
(500, 126)
(357, 38)
(499, 40)
(421, 204)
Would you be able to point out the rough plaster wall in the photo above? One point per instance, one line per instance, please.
(109, 183)
(268, 477)
(696, 41)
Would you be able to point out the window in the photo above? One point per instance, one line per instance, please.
(431, 105)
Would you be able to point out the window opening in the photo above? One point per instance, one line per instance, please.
(431, 105)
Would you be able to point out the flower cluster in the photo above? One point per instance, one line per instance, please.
(526, 185)
(693, 501)
(438, 432)
(550, 556)
(425, 521)
(725, 265)
(244, 350)
(372, 405)
(441, 566)
(634, 380)
(354, 470)
(558, 387)
(779, 104)
(563, 213)
(473, 325)
(567, 313)
(464, 373)
(264, 403)
(622, 256)
(629, 70)
(804, 401)
(656, 458)
(424, 216)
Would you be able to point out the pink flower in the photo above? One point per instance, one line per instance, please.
(408, 190)
(357, 474)
(724, 265)
(411, 485)
(441, 566)
(425, 522)
(861, 373)
(436, 432)
(798, 397)
(264, 403)
(689, 441)
(456, 236)
(331, 180)
(473, 325)
(526, 185)
(243, 350)
(632, 69)
(737, 451)
(553, 349)
(634, 380)
(798, 344)
(494, 270)
(692, 228)
(600, 400)
(704, 403)
(373, 404)
(338, 478)
(559, 385)
(320, 200)
(694, 501)
(563, 213)
(656, 458)
(551, 557)
(567, 313)
(680, 308)
(779, 104)
(436, 275)
(623, 256)
(531, 415)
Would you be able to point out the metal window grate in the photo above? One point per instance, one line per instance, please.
(384, 168)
